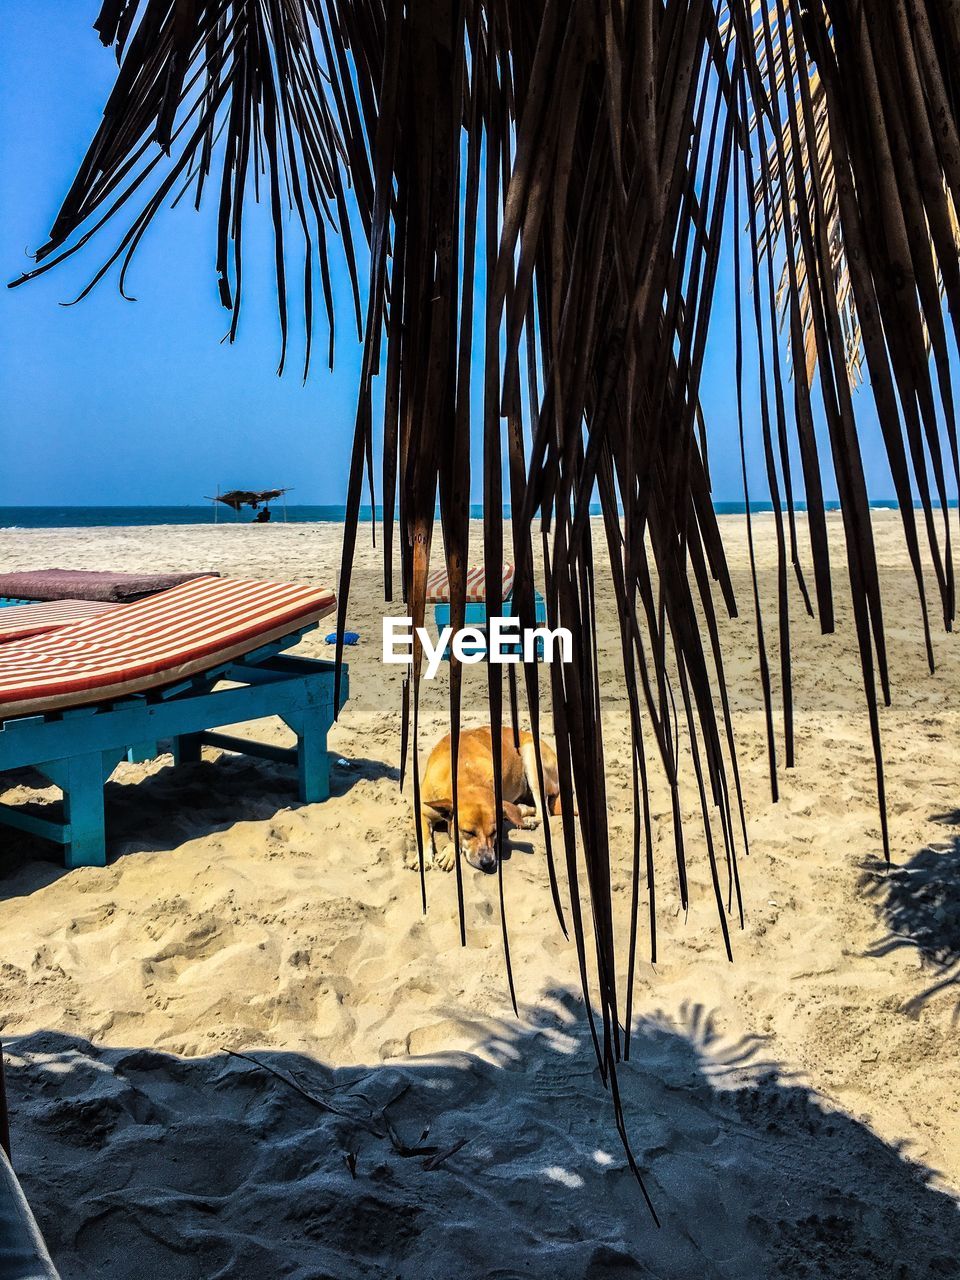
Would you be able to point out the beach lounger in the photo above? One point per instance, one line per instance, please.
(31, 585)
(438, 594)
(76, 701)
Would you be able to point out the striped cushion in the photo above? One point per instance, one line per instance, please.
(153, 642)
(21, 620)
(438, 585)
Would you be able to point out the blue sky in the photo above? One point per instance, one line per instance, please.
(118, 402)
(140, 403)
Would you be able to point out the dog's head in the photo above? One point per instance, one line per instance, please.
(478, 822)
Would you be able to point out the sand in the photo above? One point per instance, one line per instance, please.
(794, 1113)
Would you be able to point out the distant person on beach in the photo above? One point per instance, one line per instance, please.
(262, 516)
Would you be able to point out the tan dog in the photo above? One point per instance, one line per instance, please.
(478, 820)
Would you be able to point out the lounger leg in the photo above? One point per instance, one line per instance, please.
(313, 762)
(186, 749)
(83, 810)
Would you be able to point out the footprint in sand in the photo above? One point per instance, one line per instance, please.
(207, 937)
(440, 1037)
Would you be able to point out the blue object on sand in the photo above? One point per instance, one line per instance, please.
(349, 637)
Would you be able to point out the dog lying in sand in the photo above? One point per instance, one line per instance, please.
(478, 820)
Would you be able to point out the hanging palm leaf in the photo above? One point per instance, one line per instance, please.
(605, 152)
(949, 236)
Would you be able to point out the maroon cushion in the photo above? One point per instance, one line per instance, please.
(86, 584)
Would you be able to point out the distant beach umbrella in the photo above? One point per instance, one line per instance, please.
(257, 499)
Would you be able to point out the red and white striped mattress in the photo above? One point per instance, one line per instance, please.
(153, 642)
(438, 585)
(17, 621)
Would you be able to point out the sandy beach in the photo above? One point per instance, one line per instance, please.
(795, 1113)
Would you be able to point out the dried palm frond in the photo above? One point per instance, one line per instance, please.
(853, 339)
(594, 147)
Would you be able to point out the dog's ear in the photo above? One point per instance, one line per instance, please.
(512, 813)
(443, 807)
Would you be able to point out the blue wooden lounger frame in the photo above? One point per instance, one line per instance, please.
(78, 748)
(475, 615)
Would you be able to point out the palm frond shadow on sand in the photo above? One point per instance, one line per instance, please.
(919, 903)
(498, 1165)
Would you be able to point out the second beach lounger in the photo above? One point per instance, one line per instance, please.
(76, 701)
(438, 594)
(28, 585)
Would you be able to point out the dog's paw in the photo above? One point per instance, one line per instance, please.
(411, 855)
(530, 823)
(446, 858)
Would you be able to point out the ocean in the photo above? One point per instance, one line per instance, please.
(118, 517)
